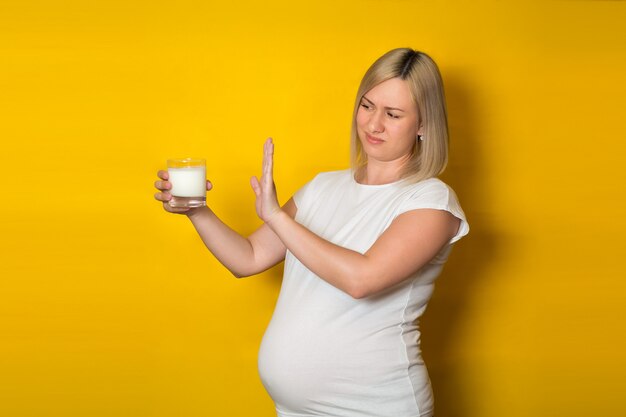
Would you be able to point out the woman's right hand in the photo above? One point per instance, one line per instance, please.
(163, 185)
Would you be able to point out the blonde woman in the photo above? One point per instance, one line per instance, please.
(362, 249)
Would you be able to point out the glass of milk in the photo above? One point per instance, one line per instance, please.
(188, 179)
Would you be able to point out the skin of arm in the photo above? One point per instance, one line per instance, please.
(240, 255)
(409, 243)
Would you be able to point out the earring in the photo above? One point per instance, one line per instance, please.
(420, 137)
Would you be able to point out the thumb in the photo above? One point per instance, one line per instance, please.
(254, 182)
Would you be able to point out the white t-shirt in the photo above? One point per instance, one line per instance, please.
(325, 353)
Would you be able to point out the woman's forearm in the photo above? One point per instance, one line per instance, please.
(340, 267)
(408, 244)
(231, 249)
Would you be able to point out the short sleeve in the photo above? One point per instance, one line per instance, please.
(435, 194)
(302, 195)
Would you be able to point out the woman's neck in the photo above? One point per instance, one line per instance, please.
(378, 173)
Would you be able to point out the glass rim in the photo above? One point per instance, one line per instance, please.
(186, 161)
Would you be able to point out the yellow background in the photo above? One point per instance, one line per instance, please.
(110, 306)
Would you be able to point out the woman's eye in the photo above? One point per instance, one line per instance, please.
(365, 106)
(393, 116)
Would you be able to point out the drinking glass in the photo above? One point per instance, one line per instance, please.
(188, 179)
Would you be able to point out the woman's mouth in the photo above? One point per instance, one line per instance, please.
(373, 140)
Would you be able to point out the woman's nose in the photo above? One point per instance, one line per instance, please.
(376, 123)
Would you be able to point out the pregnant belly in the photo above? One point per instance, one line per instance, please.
(297, 369)
(314, 370)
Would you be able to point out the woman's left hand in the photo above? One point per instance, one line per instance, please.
(265, 189)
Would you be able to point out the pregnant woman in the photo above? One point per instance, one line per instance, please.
(362, 249)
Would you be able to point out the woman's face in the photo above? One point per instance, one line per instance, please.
(388, 121)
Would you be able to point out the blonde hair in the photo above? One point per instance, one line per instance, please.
(430, 155)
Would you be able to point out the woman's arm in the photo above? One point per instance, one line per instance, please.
(409, 243)
(240, 255)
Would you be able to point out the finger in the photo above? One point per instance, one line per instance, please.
(164, 175)
(268, 162)
(171, 209)
(163, 196)
(163, 185)
(264, 166)
(271, 157)
(167, 207)
(209, 185)
(256, 187)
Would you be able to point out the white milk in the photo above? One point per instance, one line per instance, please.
(188, 181)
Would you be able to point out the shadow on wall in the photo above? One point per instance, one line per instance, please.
(446, 314)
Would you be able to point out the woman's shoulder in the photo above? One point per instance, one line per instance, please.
(430, 191)
(433, 193)
(333, 177)
(428, 185)
(324, 182)
(338, 174)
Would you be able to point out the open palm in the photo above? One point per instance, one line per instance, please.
(265, 189)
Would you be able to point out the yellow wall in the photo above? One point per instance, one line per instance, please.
(111, 307)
